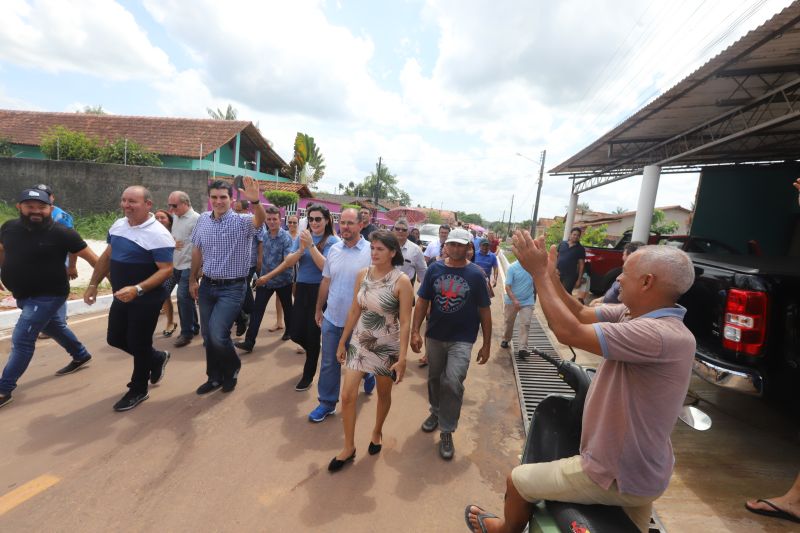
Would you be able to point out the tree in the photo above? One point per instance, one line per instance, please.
(583, 206)
(124, 152)
(595, 235)
(619, 210)
(308, 163)
(6, 149)
(470, 218)
(380, 183)
(218, 114)
(64, 144)
(434, 217)
(93, 110)
(555, 233)
(659, 224)
(281, 198)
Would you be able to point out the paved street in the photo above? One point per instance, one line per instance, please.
(250, 461)
(245, 461)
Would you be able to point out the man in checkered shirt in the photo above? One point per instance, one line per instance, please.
(222, 247)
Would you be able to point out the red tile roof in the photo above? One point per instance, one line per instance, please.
(300, 188)
(180, 137)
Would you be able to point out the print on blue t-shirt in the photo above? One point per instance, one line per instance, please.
(455, 294)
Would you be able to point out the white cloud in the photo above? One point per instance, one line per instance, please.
(99, 38)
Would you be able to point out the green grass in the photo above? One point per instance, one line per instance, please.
(95, 226)
(89, 226)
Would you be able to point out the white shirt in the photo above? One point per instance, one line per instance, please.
(434, 249)
(414, 265)
(182, 227)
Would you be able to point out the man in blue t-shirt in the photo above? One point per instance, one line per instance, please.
(518, 300)
(487, 261)
(456, 292)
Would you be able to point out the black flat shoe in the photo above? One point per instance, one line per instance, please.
(374, 449)
(335, 465)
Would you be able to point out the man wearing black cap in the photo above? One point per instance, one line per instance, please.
(32, 251)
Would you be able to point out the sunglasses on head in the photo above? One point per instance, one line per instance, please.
(316, 219)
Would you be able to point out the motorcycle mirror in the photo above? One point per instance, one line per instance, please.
(695, 418)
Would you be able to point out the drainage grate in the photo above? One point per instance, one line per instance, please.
(536, 378)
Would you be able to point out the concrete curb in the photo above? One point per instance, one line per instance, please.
(74, 308)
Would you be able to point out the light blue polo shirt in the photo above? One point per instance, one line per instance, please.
(521, 284)
(342, 266)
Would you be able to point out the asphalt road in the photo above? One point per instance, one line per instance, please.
(245, 461)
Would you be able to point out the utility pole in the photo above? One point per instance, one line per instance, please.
(378, 183)
(510, 213)
(538, 195)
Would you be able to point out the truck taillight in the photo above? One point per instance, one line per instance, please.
(745, 321)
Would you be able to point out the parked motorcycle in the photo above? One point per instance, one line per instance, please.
(555, 433)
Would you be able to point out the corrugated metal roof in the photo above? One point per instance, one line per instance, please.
(742, 105)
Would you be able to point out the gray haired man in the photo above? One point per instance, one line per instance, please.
(184, 219)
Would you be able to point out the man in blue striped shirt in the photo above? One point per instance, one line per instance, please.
(222, 247)
(139, 260)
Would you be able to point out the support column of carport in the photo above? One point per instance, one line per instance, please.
(573, 204)
(647, 203)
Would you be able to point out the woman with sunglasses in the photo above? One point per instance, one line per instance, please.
(309, 255)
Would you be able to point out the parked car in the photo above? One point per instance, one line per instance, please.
(427, 234)
(744, 312)
(605, 264)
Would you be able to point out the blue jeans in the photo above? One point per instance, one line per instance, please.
(39, 314)
(187, 311)
(330, 371)
(219, 307)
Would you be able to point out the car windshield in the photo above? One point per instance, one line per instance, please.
(429, 230)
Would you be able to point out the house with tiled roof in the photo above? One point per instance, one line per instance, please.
(223, 147)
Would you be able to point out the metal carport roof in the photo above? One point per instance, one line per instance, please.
(742, 105)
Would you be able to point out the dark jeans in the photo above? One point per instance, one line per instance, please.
(39, 314)
(187, 310)
(219, 306)
(568, 282)
(130, 328)
(263, 295)
(248, 302)
(305, 331)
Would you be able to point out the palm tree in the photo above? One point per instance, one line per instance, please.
(619, 210)
(308, 163)
(218, 114)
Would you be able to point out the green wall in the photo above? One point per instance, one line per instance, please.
(738, 203)
(30, 152)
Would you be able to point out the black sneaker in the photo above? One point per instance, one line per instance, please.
(5, 399)
(208, 386)
(157, 373)
(303, 384)
(72, 366)
(523, 354)
(446, 448)
(228, 384)
(431, 423)
(130, 400)
(504, 344)
(245, 346)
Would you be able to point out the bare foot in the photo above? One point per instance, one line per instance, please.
(377, 438)
(274, 327)
(345, 454)
(783, 503)
(491, 524)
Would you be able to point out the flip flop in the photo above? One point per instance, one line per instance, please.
(483, 515)
(776, 513)
(169, 332)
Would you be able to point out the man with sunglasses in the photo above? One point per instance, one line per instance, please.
(222, 247)
(414, 265)
(184, 219)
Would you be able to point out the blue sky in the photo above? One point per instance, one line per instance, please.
(447, 92)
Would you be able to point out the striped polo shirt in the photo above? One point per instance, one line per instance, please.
(135, 250)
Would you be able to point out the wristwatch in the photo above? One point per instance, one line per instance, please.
(139, 290)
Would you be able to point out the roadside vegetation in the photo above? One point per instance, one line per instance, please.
(94, 226)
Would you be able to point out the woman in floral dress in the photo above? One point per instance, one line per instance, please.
(380, 322)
